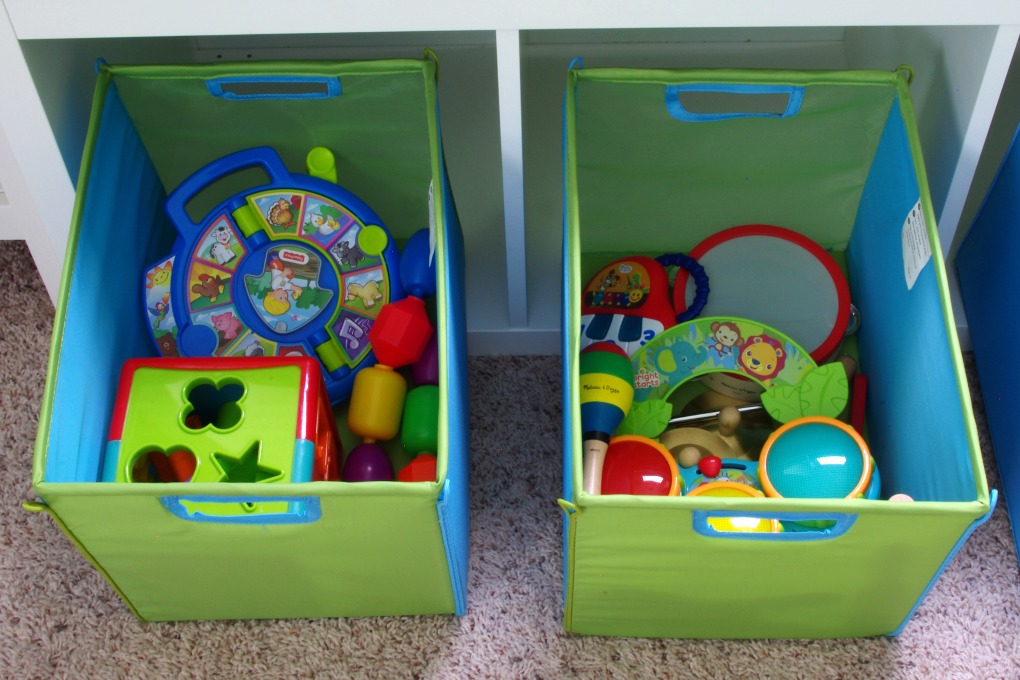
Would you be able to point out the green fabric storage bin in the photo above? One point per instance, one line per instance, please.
(151, 127)
(834, 156)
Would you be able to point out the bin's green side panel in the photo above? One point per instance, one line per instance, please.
(645, 572)
(647, 182)
(378, 128)
(365, 555)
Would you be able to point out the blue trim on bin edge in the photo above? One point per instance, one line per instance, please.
(330, 83)
(677, 110)
(454, 503)
(843, 523)
(568, 433)
(993, 498)
(302, 510)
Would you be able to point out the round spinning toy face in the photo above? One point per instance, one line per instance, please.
(302, 268)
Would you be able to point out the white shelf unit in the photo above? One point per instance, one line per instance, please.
(502, 74)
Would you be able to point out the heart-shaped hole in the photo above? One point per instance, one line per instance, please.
(215, 405)
(157, 465)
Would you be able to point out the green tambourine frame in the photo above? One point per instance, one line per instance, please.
(794, 385)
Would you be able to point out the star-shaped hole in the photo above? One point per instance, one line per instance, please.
(246, 468)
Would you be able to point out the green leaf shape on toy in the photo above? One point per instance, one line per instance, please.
(824, 391)
(783, 402)
(646, 418)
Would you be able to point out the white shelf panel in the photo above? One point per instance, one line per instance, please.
(122, 18)
(502, 73)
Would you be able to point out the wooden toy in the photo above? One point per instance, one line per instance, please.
(240, 420)
(297, 265)
(691, 444)
(607, 389)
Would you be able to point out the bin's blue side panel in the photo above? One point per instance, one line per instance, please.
(454, 510)
(904, 340)
(122, 224)
(988, 266)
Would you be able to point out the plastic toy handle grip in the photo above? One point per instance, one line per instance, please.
(300, 510)
(757, 101)
(262, 157)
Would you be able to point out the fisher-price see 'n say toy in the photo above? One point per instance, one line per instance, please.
(297, 266)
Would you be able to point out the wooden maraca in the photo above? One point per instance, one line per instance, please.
(607, 390)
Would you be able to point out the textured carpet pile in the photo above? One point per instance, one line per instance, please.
(59, 618)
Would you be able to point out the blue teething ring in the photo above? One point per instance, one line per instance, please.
(697, 273)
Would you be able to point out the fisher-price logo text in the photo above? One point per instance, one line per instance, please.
(293, 256)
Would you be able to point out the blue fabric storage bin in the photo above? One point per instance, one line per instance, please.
(986, 264)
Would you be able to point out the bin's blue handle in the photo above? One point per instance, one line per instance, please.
(840, 524)
(795, 94)
(263, 156)
(301, 510)
(274, 87)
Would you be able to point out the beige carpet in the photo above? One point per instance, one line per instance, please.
(58, 618)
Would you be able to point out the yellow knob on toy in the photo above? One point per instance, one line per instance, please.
(377, 401)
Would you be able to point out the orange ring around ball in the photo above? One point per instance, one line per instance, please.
(859, 488)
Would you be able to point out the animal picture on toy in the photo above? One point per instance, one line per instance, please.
(157, 305)
(208, 286)
(296, 266)
(280, 211)
(222, 245)
(794, 385)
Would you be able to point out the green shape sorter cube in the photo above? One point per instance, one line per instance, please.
(211, 420)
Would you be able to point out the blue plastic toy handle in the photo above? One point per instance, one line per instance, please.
(795, 94)
(836, 524)
(263, 157)
(301, 510)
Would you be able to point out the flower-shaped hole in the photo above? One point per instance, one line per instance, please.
(214, 405)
